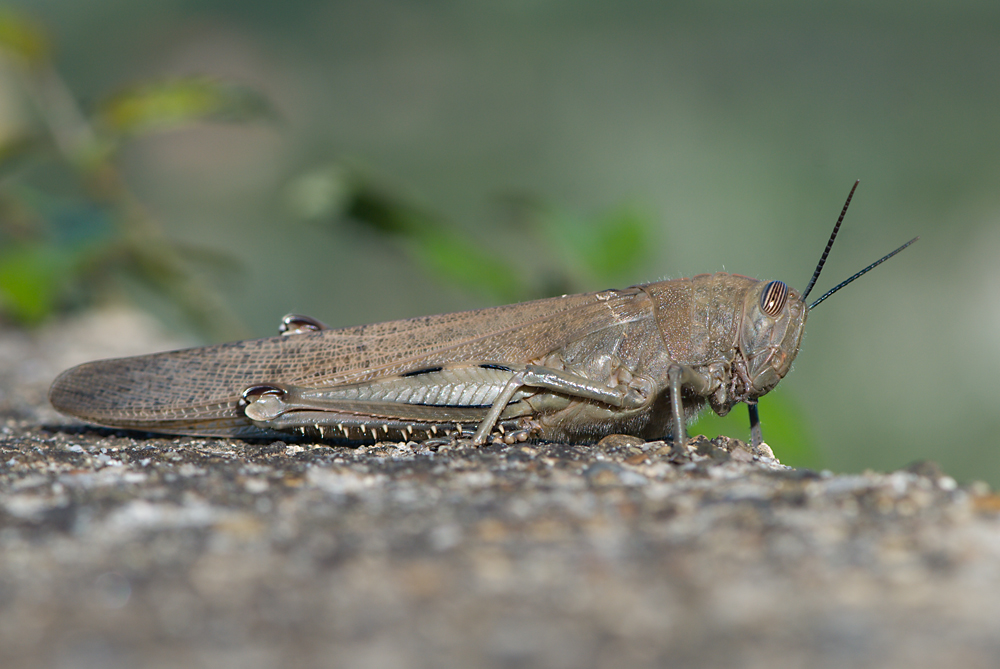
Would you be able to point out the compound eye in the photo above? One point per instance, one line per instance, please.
(773, 298)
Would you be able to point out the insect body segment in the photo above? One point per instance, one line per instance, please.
(770, 341)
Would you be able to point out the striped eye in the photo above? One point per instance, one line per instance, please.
(773, 298)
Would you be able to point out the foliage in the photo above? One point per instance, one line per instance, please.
(557, 251)
(58, 251)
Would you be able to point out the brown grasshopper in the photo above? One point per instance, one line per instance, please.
(638, 361)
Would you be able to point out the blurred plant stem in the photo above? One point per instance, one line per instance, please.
(557, 251)
(143, 242)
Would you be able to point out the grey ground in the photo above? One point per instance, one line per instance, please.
(121, 550)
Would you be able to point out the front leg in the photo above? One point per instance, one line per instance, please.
(756, 437)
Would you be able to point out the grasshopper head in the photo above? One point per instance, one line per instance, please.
(773, 318)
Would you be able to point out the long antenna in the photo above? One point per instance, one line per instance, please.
(829, 244)
(864, 271)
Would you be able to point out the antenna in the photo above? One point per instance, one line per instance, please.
(864, 271)
(829, 244)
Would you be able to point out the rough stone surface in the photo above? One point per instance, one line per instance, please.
(125, 550)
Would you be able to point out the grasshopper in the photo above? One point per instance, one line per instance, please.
(639, 361)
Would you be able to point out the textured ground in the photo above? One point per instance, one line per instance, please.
(121, 550)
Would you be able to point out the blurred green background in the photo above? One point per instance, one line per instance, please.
(223, 163)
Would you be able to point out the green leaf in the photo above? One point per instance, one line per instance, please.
(467, 265)
(387, 214)
(619, 240)
(163, 105)
(784, 429)
(604, 247)
(321, 194)
(31, 279)
(23, 37)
